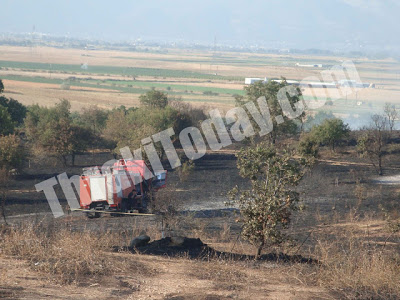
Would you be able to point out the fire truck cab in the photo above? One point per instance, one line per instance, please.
(119, 188)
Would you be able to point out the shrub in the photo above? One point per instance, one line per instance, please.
(154, 99)
(267, 204)
(308, 145)
(330, 132)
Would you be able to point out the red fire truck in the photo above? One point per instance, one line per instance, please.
(119, 189)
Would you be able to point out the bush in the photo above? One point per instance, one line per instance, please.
(308, 145)
(154, 99)
(330, 132)
(210, 93)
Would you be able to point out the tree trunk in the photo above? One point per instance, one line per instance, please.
(3, 207)
(259, 249)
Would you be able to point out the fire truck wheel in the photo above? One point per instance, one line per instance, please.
(94, 215)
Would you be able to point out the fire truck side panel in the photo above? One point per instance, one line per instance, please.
(98, 188)
(84, 193)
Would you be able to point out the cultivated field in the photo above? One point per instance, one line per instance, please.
(113, 78)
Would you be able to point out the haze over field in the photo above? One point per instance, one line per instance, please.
(337, 24)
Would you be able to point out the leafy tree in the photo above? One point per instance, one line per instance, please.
(116, 129)
(189, 115)
(154, 99)
(11, 152)
(330, 132)
(16, 109)
(94, 119)
(373, 142)
(129, 129)
(6, 123)
(266, 206)
(81, 139)
(52, 130)
(270, 91)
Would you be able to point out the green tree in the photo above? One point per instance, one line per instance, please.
(130, 128)
(330, 132)
(267, 205)
(154, 99)
(16, 109)
(6, 123)
(270, 91)
(94, 119)
(52, 130)
(11, 152)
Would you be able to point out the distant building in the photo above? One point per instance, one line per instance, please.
(253, 80)
(355, 84)
(309, 66)
(314, 84)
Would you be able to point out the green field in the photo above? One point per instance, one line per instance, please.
(135, 87)
(111, 70)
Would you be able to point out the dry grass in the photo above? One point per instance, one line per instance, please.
(357, 269)
(62, 254)
(353, 263)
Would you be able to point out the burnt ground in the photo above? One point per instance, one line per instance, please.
(205, 189)
(328, 191)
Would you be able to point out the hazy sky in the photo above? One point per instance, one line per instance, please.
(303, 24)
